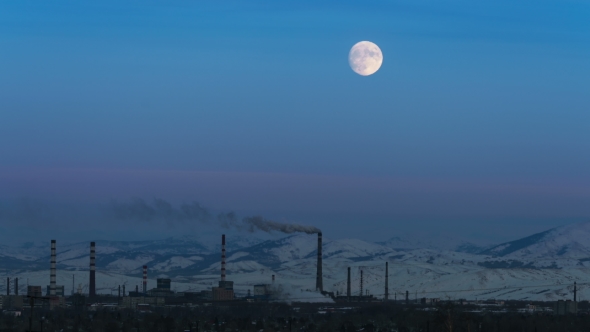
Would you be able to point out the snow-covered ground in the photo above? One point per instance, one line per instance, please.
(543, 266)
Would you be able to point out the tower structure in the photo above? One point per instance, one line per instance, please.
(319, 283)
(386, 295)
(348, 285)
(92, 281)
(52, 272)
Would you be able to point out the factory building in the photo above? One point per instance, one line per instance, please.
(566, 307)
(34, 291)
(162, 289)
(136, 302)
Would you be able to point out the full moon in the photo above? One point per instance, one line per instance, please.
(365, 58)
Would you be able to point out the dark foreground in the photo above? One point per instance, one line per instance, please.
(299, 317)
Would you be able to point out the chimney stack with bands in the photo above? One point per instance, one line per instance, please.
(144, 279)
(92, 285)
(223, 257)
(53, 270)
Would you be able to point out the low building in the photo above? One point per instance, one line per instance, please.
(426, 300)
(162, 288)
(35, 291)
(133, 302)
(225, 291)
(57, 301)
(163, 283)
(12, 302)
(566, 307)
(262, 292)
(204, 295)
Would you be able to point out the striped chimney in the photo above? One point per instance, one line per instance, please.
(92, 287)
(386, 281)
(52, 270)
(145, 279)
(223, 257)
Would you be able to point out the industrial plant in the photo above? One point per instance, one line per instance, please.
(145, 299)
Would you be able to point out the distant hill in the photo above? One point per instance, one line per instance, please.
(540, 266)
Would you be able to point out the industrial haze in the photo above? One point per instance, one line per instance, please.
(542, 266)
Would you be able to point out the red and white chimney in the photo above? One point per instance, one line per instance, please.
(223, 257)
(92, 285)
(52, 271)
(145, 279)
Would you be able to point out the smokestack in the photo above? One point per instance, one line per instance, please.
(16, 286)
(123, 290)
(136, 289)
(319, 283)
(223, 257)
(407, 297)
(386, 281)
(361, 291)
(73, 283)
(92, 286)
(144, 279)
(575, 291)
(348, 285)
(52, 271)
(7, 286)
(119, 292)
(273, 278)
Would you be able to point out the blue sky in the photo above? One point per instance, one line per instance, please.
(477, 120)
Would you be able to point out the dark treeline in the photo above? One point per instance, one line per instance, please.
(305, 317)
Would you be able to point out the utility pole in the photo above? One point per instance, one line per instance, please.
(32, 304)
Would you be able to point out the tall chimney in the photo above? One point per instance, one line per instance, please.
(119, 292)
(16, 286)
(7, 286)
(407, 297)
(144, 279)
(348, 285)
(575, 291)
(386, 281)
(319, 283)
(52, 271)
(123, 290)
(361, 286)
(223, 257)
(273, 278)
(92, 286)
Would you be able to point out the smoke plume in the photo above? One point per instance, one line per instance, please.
(259, 223)
(161, 210)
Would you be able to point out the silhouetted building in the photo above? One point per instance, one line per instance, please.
(34, 291)
(162, 289)
(562, 307)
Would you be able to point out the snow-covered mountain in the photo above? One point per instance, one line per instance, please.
(560, 247)
(542, 266)
(440, 242)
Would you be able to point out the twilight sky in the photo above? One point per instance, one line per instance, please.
(477, 124)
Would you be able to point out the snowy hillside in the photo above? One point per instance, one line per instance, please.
(542, 266)
(566, 246)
